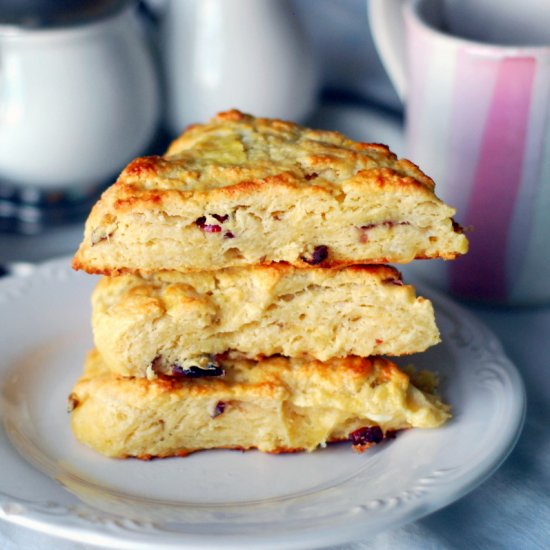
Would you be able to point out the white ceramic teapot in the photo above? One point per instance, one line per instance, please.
(78, 92)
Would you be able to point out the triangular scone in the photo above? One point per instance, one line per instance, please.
(241, 190)
(275, 405)
(171, 321)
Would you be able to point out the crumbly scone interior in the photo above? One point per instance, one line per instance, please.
(172, 319)
(264, 224)
(274, 405)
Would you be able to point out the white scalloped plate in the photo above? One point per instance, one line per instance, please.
(226, 498)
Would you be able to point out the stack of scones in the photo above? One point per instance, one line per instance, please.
(246, 302)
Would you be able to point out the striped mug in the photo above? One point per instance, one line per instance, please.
(477, 121)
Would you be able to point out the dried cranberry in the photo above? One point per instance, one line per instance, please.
(388, 223)
(228, 235)
(319, 254)
(311, 176)
(218, 409)
(209, 228)
(457, 228)
(221, 219)
(196, 372)
(367, 435)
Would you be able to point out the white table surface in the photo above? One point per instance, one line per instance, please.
(510, 510)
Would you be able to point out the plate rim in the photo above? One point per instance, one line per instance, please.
(12, 508)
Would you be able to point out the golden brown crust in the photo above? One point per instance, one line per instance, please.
(275, 405)
(253, 172)
(276, 451)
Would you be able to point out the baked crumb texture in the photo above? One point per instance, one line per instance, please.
(242, 191)
(171, 320)
(245, 303)
(275, 405)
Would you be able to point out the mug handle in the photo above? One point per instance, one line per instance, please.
(387, 27)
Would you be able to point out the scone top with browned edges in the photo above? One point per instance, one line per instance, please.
(234, 148)
(241, 190)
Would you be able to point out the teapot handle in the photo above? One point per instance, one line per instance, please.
(387, 26)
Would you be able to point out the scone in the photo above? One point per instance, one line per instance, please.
(275, 405)
(171, 321)
(241, 190)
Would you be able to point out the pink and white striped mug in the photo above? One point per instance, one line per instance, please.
(477, 121)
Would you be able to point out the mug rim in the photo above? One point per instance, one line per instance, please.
(412, 15)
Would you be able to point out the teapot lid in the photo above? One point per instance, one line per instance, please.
(41, 14)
